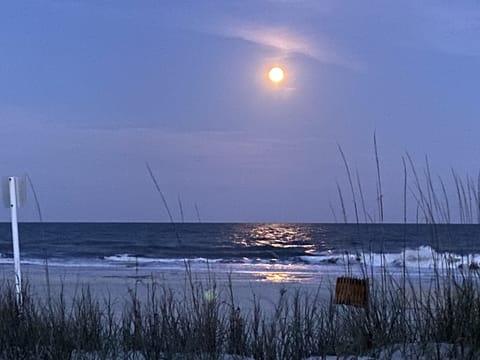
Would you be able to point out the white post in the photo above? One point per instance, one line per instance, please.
(16, 246)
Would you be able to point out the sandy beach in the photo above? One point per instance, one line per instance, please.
(117, 284)
(121, 284)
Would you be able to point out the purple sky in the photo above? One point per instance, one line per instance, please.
(91, 90)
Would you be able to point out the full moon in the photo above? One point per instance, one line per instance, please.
(276, 74)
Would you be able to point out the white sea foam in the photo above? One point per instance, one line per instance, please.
(127, 258)
(423, 257)
(57, 262)
(140, 260)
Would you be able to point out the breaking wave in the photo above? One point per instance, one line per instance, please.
(423, 257)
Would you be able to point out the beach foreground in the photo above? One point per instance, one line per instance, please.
(204, 313)
(118, 284)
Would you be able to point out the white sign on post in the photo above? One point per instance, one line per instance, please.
(14, 196)
(21, 191)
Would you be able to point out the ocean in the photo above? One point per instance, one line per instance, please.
(242, 247)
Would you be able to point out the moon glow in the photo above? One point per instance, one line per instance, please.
(276, 74)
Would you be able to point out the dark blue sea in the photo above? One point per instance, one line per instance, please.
(158, 245)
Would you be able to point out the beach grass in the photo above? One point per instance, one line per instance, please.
(203, 322)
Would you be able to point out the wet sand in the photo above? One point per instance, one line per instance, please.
(261, 284)
(118, 284)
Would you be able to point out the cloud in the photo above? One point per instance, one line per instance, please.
(289, 42)
(287, 26)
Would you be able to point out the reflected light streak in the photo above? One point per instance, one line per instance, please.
(278, 273)
(277, 277)
(279, 236)
(280, 276)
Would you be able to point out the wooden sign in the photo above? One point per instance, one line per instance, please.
(351, 291)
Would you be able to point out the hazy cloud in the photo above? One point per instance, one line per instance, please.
(289, 42)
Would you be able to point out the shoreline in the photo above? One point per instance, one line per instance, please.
(264, 282)
(118, 283)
